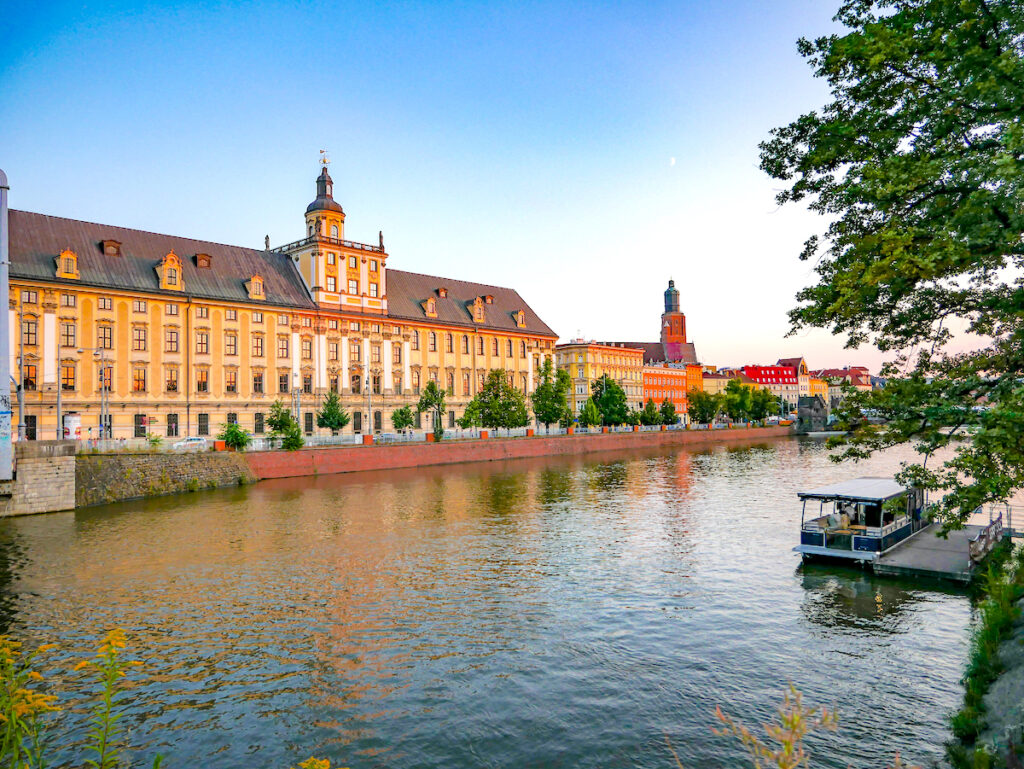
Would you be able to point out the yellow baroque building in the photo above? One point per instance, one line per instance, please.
(172, 336)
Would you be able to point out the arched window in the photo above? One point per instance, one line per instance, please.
(522, 349)
(432, 342)
(416, 382)
(494, 346)
(334, 231)
(356, 383)
(479, 345)
(451, 383)
(508, 348)
(465, 344)
(415, 340)
(172, 276)
(311, 230)
(449, 343)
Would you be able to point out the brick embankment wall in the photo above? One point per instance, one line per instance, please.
(44, 479)
(348, 459)
(103, 478)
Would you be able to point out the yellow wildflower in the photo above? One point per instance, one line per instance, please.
(35, 675)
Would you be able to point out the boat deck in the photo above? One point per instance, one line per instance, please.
(928, 555)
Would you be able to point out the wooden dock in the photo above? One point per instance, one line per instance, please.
(927, 555)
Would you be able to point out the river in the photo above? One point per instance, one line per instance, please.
(535, 613)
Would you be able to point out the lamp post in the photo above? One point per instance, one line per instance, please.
(100, 353)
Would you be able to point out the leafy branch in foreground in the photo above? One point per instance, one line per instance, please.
(918, 161)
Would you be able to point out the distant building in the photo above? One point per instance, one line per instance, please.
(586, 361)
(811, 414)
(670, 383)
(781, 381)
(673, 347)
(716, 382)
(858, 376)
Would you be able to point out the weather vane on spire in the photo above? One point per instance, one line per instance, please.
(324, 160)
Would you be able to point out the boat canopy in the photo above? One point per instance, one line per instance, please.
(861, 489)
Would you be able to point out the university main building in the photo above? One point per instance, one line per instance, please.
(178, 336)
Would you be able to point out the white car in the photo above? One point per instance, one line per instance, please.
(195, 443)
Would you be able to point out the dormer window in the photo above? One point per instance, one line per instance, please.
(203, 261)
(442, 292)
(67, 265)
(255, 287)
(489, 299)
(478, 310)
(111, 247)
(520, 319)
(169, 272)
(430, 308)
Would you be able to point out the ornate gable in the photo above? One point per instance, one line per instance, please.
(255, 288)
(169, 272)
(476, 310)
(429, 307)
(67, 265)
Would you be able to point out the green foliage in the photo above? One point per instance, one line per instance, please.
(650, 414)
(501, 404)
(23, 709)
(589, 414)
(703, 407)
(192, 485)
(918, 163)
(292, 438)
(668, 412)
(432, 400)
(471, 417)
(610, 399)
(402, 419)
(155, 441)
(234, 436)
(279, 419)
(737, 400)
(763, 403)
(550, 397)
(331, 415)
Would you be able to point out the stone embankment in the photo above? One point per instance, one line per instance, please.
(350, 459)
(102, 478)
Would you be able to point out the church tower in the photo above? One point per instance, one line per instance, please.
(673, 322)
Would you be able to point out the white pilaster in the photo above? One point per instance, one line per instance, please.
(49, 348)
(406, 370)
(344, 383)
(321, 361)
(296, 380)
(529, 373)
(389, 380)
(364, 279)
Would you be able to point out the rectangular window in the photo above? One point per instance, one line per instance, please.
(352, 263)
(282, 320)
(373, 289)
(202, 342)
(332, 324)
(307, 349)
(257, 383)
(107, 375)
(375, 353)
(332, 283)
(282, 347)
(257, 345)
(68, 336)
(465, 384)
(138, 379)
(202, 312)
(396, 353)
(231, 381)
(282, 383)
(140, 426)
(203, 424)
(171, 382)
(105, 303)
(308, 417)
(373, 265)
(231, 314)
(138, 305)
(332, 351)
(449, 344)
(353, 286)
(334, 384)
(170, 309)
(28, 381)
(231, 344)
(257, 423)
(202, 381)
(307, 383)
(432, 342)
(330, 258)
(257, 317)
(139, 339)
(29, 297)
(479, 345)
(355, 352)
(68, 300)
(307, 322)
(353, 326)
(172, 425)
(29, 331)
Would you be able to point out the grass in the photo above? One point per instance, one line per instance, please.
(1003, 587)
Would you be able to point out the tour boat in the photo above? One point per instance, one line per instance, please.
(859, 519)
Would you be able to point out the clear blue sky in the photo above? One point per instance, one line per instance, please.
(582, 153)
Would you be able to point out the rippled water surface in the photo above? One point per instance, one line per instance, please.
(556, 613)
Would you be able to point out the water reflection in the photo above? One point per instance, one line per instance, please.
(551, 612)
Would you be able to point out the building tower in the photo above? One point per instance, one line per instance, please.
(673, 326)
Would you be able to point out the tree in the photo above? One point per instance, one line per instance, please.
(763, 403)
(650, 415)
(668, 412)
(279, 418)
(234, 437)
(549, 399)
(737, 400)
(610, 399)
(501, 404)
(402, 419)
(331, 415)
(917, 161)
(702, 407)
(432, 400)
(471, 416)
(589, 414)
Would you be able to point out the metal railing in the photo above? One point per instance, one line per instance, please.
(983, 542)
(331, 242)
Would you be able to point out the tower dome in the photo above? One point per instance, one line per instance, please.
(324, 195)
(671, 297)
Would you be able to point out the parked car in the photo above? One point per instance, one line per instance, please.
(194, 443)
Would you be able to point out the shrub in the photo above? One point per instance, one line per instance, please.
(234, 437)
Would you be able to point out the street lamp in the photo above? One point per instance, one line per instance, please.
(100, 353)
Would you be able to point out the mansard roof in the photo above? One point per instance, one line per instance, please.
(678, 352)
(407, 291)
(37, 238)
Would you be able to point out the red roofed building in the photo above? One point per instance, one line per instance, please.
(858, 376)
(782, 381)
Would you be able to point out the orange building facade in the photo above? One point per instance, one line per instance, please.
(672, 383)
